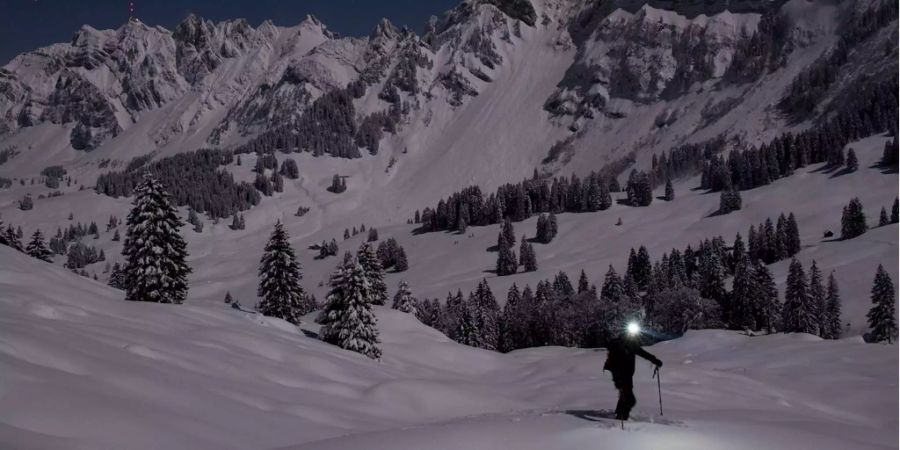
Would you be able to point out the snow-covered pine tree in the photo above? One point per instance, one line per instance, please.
(552, 226)
(670, 191)
(798, 315)
(466, 331)
(452, 313)
(729, 200)
(832, 316)
(11, 239)
(605, 197)
(513, 322)
(116, 237)
(350, 323)
(817, 296)
(741, 310)
(37, 248)
(334, 299)
(527, 256)
(404, 301)
(506, 257)
(613, 289)
(895, 211)
(401, 264)
(374, 273)
(280, 292)
(583, 283)
(769, 308)
(852, 161)
(882, 316)
(792, 236)
(486, 313)
(116, 277)
(883, 218)
(853, 220)
(155, 269)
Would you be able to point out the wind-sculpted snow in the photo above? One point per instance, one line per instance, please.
(84, 369)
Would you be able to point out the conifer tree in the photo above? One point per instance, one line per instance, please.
(768, 314)
(729, 200)
(613, 289)
(486, 313)
(882, 316)
(527, 256)
(643, 268)
(11, 239)
(401, 264)
(832, 316)
(852, 162)
(349, 321)
(228, 299)
(373, 235)
(280, 292)
(583, 284)
(670, 191)
(895, 211)
(36, 248)
(552, 226)
(741, 311)
(513, 322)
(404, 301)
(817, 296)
(465, 330)
(156, 269)
(798, 315)
(883, 218)
(605, 197)
(116, 237)
(374, 273)
(507, 263)
(792, 236)
(117, 277)
(853, 221)
(507, 233)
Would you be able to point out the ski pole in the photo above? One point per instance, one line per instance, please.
(658, 387)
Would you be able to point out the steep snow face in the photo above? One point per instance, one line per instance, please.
(84, 369)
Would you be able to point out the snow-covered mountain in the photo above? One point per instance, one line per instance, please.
(490, 93)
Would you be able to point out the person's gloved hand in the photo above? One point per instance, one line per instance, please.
(658, 363)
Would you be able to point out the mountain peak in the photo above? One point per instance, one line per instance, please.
(384, 28)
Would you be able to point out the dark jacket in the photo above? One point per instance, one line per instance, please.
(620, 359)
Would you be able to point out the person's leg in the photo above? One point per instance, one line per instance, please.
(629, 401)
(620, 405)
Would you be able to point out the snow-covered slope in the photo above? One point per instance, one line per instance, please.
(83, 369)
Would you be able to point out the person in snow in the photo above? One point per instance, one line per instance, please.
(620, 362)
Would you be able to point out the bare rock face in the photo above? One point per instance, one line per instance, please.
(75, 100)
(656, 54)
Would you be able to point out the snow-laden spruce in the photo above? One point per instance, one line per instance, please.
(280, 291)
(37, 248)
(374, 273)
(348, 320)
(799, 313)
(403, 299)
(154, 250)
(882, 316)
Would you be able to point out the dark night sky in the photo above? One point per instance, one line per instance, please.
(28, 24)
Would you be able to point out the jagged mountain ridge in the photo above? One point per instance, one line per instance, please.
(636, 77)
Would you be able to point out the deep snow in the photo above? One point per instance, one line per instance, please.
(82, 369)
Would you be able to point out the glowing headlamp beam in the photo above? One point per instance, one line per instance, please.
(633, 328)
